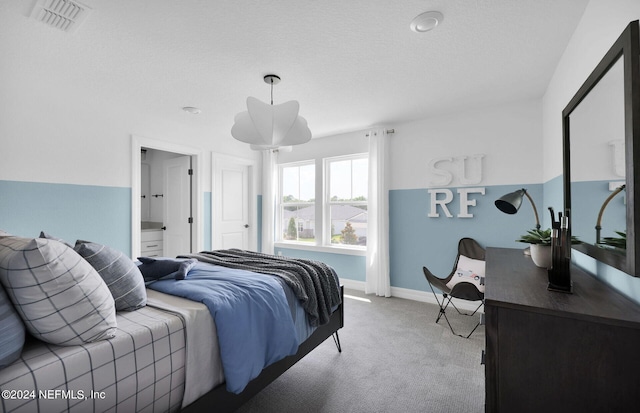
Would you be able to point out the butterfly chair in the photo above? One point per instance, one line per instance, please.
(466, 280)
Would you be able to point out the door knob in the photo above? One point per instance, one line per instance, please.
(246, 225)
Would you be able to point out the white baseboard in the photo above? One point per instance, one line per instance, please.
(415, 295)
(352, 284)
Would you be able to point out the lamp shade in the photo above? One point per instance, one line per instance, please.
(266, 126)
(510, 203)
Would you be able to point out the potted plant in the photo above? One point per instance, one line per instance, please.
(540, 241)
(619, 242)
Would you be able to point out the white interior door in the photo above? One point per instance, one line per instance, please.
(232, 223)
(177, 206)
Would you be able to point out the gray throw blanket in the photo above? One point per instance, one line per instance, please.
(314, 283)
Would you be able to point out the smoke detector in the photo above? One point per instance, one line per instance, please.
(65, 15)
(426, 21)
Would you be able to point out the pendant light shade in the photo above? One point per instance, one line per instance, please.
(269, 126)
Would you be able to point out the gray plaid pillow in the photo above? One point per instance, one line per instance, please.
(11, 331)
(118, 271)
(59, 296)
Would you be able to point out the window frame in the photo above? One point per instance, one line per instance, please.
(280, 205)
(322, 227)
(327, 202)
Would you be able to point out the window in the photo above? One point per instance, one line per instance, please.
(346, 199)
(297, 209)
(341, 220)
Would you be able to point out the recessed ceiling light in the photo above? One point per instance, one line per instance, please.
(426, 21)
(192, 110)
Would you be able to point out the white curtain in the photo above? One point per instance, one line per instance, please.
(378, 281)
(269, 191)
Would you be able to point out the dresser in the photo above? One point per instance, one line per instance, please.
(556, 352)
(151, 242)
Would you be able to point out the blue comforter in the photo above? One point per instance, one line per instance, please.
(252, 316)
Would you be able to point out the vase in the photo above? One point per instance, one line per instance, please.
(541, 255)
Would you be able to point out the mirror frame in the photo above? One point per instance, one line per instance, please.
(626, 47)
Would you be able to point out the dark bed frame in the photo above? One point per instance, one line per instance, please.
(222, 401)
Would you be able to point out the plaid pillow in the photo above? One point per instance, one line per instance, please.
(118, 271)
(11, 331)
(59, 296)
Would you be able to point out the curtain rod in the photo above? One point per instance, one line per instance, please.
(388, 131)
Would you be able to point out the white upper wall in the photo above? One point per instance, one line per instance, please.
(509, 136)
(602, 23)
(318, 148)
(56, 127)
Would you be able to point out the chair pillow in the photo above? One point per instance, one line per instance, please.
(118, 271)
(11, 331)
(165, 268)
(59, 296)
(4, 233)
(468, 270)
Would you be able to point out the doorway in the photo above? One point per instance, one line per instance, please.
(172, 201)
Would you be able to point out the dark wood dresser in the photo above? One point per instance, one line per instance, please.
(555, 352)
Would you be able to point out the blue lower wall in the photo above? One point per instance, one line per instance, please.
(96, 213)
(102, 214)
(417, 240)
(352, 267)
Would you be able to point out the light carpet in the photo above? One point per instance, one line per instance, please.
(394, 358)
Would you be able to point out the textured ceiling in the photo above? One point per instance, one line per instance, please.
(350, 64)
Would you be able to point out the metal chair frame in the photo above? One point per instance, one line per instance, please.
(464, 290)
(446, 300)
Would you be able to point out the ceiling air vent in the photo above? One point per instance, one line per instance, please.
(65, 15)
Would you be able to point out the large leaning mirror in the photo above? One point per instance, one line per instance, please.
(601, 131)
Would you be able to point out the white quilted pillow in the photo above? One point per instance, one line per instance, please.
(59, 296)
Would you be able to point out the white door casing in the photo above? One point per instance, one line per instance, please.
(139, 142)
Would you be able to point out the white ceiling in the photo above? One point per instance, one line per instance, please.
(350, 63)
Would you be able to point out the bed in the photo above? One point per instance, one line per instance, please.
(164, 355)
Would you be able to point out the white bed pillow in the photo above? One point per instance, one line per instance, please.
(59, 296)
(469, 270)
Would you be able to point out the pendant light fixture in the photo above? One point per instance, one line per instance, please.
(265, 126)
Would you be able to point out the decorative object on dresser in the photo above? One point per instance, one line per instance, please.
(560, 270)
(510, 203)
(466, 280)
(540, 246)
(553, 352)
